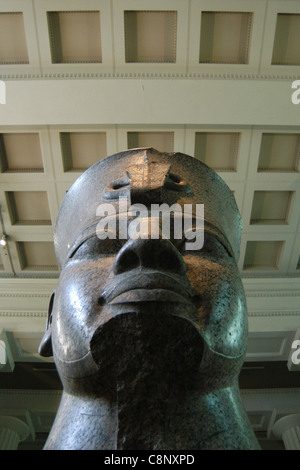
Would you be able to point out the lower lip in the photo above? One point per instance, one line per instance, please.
(149, 295)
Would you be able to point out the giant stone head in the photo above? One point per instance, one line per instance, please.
(147, 245)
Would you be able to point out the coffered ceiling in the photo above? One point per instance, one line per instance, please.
(213, 79)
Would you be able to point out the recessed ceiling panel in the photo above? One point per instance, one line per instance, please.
(279, 152)
(225, 37)
(20, 153)
(80, 150)
(150, 36)
(262, 255)
(75, 36)
(28, 207)
(271, 207)
(37, 256)
(219, 150)
(13, 48)
(266, 346)
(286, 50)
(162, 141)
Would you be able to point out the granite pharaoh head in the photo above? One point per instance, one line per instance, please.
(147, 305)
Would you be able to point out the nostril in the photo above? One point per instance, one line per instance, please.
(197, 300)
(169, 261)
(158, 254)
(126, 261)
(101, 300)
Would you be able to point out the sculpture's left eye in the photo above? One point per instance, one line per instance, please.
(212, 246)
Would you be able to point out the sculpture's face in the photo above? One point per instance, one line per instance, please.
(121, 299)
(105, 280)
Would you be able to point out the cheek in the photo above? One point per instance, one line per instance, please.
(76, 307)
(205, 277)
(222, 312)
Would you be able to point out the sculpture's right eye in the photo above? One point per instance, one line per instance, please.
(94, 247)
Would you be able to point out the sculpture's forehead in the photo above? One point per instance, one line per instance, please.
(145, 176)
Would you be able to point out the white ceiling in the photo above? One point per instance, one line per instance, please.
(212, 79)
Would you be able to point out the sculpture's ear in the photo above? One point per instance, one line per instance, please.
(45, 348)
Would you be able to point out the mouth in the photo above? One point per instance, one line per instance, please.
(147, 287)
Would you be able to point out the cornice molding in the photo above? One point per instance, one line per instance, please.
(269, 276)
(287, 313)
(263, 313)
(21, 314)
(23, 392)
(273, 294)
(145, 75)
(248, 294)
(24, 294)
(16, 290)
(244, 391)
(268, 391)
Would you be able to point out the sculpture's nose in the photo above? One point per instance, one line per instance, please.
(158, 254)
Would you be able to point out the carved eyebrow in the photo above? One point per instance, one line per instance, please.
(79, 244)
(82, 239)
(220, 241)
(215, 236)
(104, 245)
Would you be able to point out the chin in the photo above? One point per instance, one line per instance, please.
(140, 339)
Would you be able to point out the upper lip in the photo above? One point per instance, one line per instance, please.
(153, 280)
